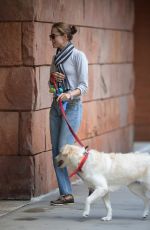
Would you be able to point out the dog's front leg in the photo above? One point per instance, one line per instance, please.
(107, 203)
(98, 192)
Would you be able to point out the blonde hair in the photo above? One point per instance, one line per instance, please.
(64, 28)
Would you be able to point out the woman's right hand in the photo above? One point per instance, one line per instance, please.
(59, 77)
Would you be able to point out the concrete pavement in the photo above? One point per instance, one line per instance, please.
(127, 212)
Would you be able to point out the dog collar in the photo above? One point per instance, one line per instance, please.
(83, 160)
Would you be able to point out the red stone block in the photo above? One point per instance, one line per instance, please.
(129, 44)
(116, 79)
(123, 107)
(104, 14)
(89, 125)
(112, 141)
(16, 177)
(126, 110)
(37, 48)
(45, 179)
(95, 13)
(18, 90)
(54, 11)
(131, 109)
(28, 39)
(115, 140)
(94, 143)
(43, 50)
(25, 134)
(10, 44)
(16, 10)
(92, 37)
(32, 132)
(44, 98)
(99, 117)
(103, 116)
(9, 133)
(116, 46)
(47, 130)
(38, 131)
(95, 84)
(122, 10)
(110, 114)
(88, 13)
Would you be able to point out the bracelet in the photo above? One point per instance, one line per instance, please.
(71, 96)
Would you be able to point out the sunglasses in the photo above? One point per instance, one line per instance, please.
(53, 36)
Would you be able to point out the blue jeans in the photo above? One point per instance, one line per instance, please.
(61, 135)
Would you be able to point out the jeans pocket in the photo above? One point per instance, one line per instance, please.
(74, 106)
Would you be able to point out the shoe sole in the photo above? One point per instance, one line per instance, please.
(60, 204)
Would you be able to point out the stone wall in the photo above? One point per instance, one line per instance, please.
(142, 70)
(105, 34)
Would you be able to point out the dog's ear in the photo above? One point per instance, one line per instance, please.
(66, 150)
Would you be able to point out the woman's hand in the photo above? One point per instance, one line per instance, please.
(59, 77)
(64, 97)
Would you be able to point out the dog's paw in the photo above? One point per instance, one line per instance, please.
(145, 216)
(85, 214)
(106, 218)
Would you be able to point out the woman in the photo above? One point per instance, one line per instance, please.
(70, 70)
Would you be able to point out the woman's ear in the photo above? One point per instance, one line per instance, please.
(65, 37)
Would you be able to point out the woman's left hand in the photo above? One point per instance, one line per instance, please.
(64, 97)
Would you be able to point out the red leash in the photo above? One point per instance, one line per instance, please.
(70, 128)
(84, 158)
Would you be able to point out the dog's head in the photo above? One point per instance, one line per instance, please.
(67, 153)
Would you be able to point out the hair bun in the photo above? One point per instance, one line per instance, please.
(73, 29)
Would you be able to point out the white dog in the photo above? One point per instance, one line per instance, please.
(108, 172)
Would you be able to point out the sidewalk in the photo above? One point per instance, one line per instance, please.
(127, 211)
(39, 215)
